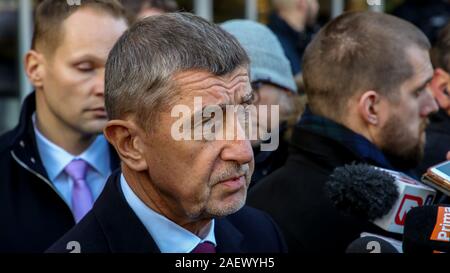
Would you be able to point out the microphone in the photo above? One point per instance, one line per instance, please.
(427, 230)
(371, 244)
(378, 195)
(362, 191)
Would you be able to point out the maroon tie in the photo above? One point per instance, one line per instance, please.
(205, 247)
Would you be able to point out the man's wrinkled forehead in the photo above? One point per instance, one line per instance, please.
(226, 89)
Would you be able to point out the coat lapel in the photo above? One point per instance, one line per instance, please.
(122, 228)
(228, 238)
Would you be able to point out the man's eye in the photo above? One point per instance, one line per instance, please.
(253, 98)
(206, 121)
(85, 67)
(418, 92)
(250, 99)
(210, 130)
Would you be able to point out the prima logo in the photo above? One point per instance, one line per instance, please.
(227, 122)
(73, 2)
(441, 231)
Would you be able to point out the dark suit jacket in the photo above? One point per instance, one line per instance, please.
(33, 215)
(294, 196)
(112, 227)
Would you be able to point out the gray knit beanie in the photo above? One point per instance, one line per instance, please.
(268, 62)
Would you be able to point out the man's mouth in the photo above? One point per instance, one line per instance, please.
(234, 183)
(99, 112)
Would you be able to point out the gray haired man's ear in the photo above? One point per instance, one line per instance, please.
(126, 138)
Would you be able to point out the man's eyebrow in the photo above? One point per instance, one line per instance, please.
(422, 86)
(88, 57)
(222, 106)
(244, 99)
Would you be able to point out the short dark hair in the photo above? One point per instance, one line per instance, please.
(356, 52)
(440, 53)
(140, 67)
(50, 14)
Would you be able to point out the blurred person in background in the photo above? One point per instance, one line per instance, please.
(56, 161)
(428, 15)
(438, 131)
(366, 78)
(8, 67)
(272, 83)
(294, 23)
(138, 9)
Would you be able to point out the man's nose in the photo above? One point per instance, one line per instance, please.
(239, 148)
(99, 84)
(429, 105)
(239, 151)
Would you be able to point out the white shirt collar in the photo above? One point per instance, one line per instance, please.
(55, 158)
(168, 236)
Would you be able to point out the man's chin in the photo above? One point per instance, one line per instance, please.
(94, 127)
(228, 203)
(408, 160)
(228, 209)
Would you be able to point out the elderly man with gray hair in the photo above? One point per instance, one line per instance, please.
(176, 194)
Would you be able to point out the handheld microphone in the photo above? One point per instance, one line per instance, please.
(427, 230)
(371, 244)
(378, 195)
(362, 191)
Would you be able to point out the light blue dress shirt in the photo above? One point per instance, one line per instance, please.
(168, 236)
(55, 159)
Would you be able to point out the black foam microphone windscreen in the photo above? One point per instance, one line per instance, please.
(362, 191)
(427, 230)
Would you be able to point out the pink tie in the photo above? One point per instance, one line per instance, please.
(81, 195)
